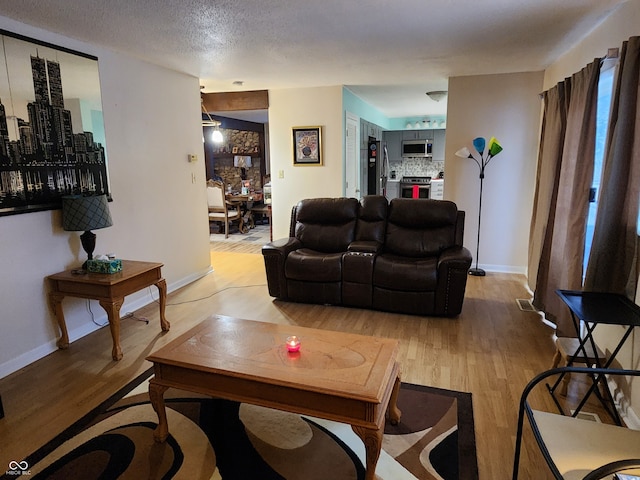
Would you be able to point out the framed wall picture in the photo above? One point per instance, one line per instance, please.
(307, 146)
(52, 139)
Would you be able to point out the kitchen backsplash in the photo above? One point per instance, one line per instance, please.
(416, 167)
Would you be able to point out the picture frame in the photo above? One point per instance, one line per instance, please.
(307, 146)
(53, 140)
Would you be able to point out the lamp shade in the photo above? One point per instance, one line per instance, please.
(81, 214)
(216, 136)
(437, 95)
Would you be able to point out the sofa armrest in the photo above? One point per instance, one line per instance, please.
(455, 257)
(365, 246)
(453, 268)
(282, 246)
(274, 254)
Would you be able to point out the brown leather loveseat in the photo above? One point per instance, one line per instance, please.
(405, 256)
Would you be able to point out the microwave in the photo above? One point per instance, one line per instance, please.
(417, 148)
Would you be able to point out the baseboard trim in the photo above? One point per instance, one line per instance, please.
(503, 268)
(134, 304)
(623, 404)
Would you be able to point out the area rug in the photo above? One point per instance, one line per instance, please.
(258, 235)
(213, 439)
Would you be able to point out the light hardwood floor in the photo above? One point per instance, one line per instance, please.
(491, 350)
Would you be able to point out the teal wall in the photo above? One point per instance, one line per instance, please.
(357, 106)
(354, 104)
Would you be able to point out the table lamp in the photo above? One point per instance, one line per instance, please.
(80, 213)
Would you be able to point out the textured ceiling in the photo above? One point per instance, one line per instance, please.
(389, 53)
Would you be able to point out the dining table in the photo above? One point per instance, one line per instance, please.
(244, 202)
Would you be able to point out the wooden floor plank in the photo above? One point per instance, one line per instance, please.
(491, 350)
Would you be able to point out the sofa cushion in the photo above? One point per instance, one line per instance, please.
(420, 227)
(313, 266)
(372, 219)
(326, 224)
(397, 272)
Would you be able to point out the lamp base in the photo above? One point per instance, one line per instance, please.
(88, 241)
(477, 272)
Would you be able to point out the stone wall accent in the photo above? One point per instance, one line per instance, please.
(231, 174)
(238, 142)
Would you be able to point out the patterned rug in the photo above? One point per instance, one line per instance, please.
(258, 235)
(213, 439)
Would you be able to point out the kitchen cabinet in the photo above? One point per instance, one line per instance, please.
(438, 144)
(437, 189)
(368, 129)
(394, 144)
(417, 134)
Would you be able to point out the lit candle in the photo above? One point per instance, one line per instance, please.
(293, 343)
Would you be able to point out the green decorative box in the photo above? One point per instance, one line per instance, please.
(104, 266)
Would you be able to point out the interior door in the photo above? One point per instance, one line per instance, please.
(352, 156)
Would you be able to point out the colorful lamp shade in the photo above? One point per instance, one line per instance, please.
(494, 147)
(83, 214)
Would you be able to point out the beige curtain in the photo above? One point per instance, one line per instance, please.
(562, 196)
(613, 258)
(554, 123)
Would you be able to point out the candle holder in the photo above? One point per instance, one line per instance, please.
(293, 344)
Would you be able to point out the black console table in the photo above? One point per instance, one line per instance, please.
(593, 309)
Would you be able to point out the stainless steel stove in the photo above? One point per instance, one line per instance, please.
(415, 187)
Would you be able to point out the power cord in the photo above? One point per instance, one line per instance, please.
(135, 317)
(208, 296)
(93, 319)
(146, 320)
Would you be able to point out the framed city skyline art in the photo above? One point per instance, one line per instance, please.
(52, 140)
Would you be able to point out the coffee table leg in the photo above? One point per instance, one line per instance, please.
(162, 290)
(156, 395)
(393, 410)
(372, 439)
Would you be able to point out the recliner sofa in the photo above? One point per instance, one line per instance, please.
(402, 256)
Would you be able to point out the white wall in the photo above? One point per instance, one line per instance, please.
(621, 25)
(507, 107)
(152, 121)
(297, 108)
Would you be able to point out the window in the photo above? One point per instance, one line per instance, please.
(605, 92)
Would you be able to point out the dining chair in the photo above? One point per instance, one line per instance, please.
(219, 209)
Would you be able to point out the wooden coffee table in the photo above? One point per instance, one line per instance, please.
(347, 378)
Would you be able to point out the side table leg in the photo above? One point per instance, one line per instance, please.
(56, 304)
(156, 396)
(113, 314)
(393, 410)
(162, 291)
(372, 439)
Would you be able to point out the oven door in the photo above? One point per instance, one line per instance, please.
(421, 191)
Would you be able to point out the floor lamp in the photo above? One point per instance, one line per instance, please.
(482, 158)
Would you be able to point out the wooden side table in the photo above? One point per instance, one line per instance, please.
(109, 290)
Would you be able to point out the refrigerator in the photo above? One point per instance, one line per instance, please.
(377, 167)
